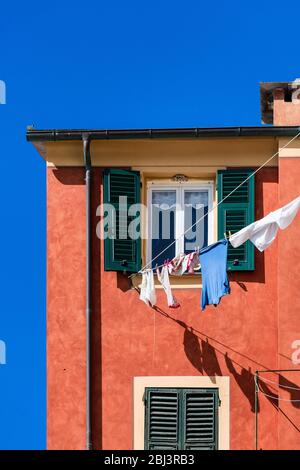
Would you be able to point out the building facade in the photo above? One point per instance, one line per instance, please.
(181, 378)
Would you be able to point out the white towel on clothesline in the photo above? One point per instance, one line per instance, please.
(263, 232)
(147, 293)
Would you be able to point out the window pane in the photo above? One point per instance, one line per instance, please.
(163, 224)
(195, 207)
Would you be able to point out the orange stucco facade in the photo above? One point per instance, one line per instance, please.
(288, 305)
(252, 329)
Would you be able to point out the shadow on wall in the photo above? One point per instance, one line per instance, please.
(70, 176)
(200, 353)
(245, 381)
(203, 356)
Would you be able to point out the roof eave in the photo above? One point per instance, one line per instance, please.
(35, 135)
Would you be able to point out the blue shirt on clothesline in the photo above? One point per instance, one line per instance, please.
(215, 281)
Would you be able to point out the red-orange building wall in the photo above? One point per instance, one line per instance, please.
(289, 308)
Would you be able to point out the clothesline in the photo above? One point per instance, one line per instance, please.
(161, 265)
(215, 282)
(261, 232)
(278, 385)
(213, 208)
(274, 397)
(167, 261)
(213, 258)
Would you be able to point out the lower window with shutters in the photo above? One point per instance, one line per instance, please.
(181, 418)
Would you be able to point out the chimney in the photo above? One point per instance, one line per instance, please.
(280, 103)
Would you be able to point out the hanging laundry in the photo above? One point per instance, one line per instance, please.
(215, 282)
(148, 294)
(263, 232)
(193, 262)
(163, 278)
(175, 266)
(184, 263)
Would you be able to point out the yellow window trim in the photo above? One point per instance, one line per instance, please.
(140, 383)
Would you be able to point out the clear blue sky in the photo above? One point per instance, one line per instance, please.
(109, 65)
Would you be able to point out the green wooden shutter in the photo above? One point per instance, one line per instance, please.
(121, 252)
(162, 419)
(181, 419)
(200, 408)
(236, 212)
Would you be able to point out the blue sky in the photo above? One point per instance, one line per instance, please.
(97, 64)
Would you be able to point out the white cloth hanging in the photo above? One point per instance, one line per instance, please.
(148, 294)
(163, 278)
(263, 232)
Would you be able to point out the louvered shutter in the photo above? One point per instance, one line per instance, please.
(200, 408)
(121, 252)
(181, 419)
(236, 212)
(162, 419)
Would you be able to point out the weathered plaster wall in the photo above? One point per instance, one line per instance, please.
(289, 307)
(131, 340)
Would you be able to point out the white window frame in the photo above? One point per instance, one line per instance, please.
(168, 185)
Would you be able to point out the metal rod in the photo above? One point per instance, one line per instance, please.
(256, 402)
(88, 187)
(279, 370)
(256, 378)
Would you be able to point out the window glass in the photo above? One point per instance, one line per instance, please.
(163, 224)
(195, 207)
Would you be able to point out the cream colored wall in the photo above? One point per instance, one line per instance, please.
(140, 383)
(179, 154)
(290, 150)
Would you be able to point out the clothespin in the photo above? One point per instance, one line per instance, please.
(225, 235)
(229, 233)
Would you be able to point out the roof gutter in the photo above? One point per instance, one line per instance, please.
(34, 135)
